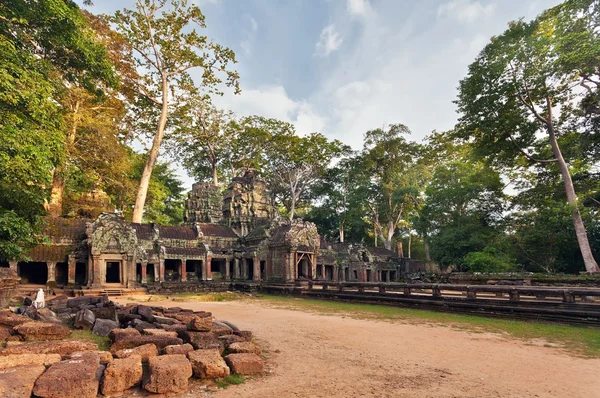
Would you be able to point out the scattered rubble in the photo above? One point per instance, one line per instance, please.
(156, 348)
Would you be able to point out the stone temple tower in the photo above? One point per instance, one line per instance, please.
(245, 204)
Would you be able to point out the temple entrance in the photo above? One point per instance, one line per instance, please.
(150, 273)
(329, 272)
(369, 277)
(263, 266)
(249, 268)
(304, 265)
(384, 275)
(33, 273)
(392, 276)
(193, 267)
(355, 272)
(320, 271)
(62, 273)
(217, 268)
(346, 273)
(231, 269)
(80, 274)
(138, 272)
(113, 272)
(172, 270)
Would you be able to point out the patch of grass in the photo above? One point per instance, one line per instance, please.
(233, 379)
(87, 335)
(575, 339)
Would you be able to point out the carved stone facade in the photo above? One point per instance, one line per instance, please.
(234, 235)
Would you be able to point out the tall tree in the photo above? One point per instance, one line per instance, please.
(39, 40)
(167, 46)
(295, 164)
(524, 84)
(395, 179)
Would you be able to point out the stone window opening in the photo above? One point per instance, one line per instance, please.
(62, 274)
(172, 270)
(150, 273)
(34, 273)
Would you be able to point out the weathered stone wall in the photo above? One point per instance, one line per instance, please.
(204, 204)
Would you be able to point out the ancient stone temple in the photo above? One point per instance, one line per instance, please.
(230, 234)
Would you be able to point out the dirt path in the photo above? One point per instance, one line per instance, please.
(334, 356)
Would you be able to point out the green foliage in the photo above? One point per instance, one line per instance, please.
(488, 260)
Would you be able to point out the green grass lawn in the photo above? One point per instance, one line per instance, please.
(576, 340)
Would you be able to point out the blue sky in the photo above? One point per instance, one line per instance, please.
(342, 67)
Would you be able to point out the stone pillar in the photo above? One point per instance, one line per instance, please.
(227, 265)
(156, 271)
(161, 270)
(183, 272)
(256, 265)
(144, 265)
(71, 270)
(364, 275)
(236, 268)
(14, 265)
(207, 274)
(336, 271)
(51, 271)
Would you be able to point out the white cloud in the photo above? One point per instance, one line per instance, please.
(329, 41)
(249, 34)
(358, 7)
(465, 10)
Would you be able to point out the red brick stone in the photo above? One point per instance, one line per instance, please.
(181, 349)
(244, 347)
(122, 374)
(42, 331)
(120, 334)
(63, 348)
(17, 382)
(168, 374)
(73, 378)
(245, 364)
(208, 364)
(145, 351)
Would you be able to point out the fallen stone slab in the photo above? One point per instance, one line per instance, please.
(120, 334)
(126, 318)
(122, 374)
(105, 357)
(245, 364)
(109, 312)
(72, 378)
(208, 364)
(202, 340)
(47, 315)
(42, 331)
(183, 317)
(146, 313)
(230, 338)
(84, 319)
(141, 325)
(245, 334)
(62, 348)
(244, 347)
(159, 332)
(145, 352)
(78, 302)
(201, 323)
(10, 361)
(177, 327)
(168, 374)
(103, 327)
(5, 333)
(180, 349)
(220, 329)
(8, 318)
(131, 342)
(18, 381)
(164, 320)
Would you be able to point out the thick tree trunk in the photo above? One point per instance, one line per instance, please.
(215, 174)
(341, 232)
(55, 207)
(409, 243)
(426, 248)
(582, 238)
(140, 201)
(292, 208)
(400, 249)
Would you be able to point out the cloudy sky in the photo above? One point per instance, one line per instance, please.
(342, 67)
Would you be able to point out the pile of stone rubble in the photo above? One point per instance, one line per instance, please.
(156, 348)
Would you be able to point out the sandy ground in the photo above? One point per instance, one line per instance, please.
(313, 355)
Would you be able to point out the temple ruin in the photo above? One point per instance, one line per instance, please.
(231, 235)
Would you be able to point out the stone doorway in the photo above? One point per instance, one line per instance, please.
(62, 274)
(34, 273)
(150, 273)
(250, 268)
(172, 270)
(113, 272)
(80, 274)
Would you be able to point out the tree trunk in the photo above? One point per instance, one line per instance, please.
(409, 243)
(215, 175)
(341, 232)
(582, 238)
(292, 207)
(140, 201)
(400, 249)
(426, 248)
(55, 207)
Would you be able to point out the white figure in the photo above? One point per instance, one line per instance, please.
(39, 300)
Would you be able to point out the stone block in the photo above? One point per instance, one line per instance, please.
(47, 315)
(73, 378)
(105, 357)
(202, 340)
(125, 318)
(245, 364)
(177, 327)
(221, 329)
(78, 302)
(159, 332)
(141, 325)
(11, 361)
(5, 333)
(120, 334)
(42, 331)
(245, 334)
(184, 317)
(131, 342)
(208, 364)
(145, 352)
(109, 312)
(18, 382)
(244, 347)
(146, 313)
(164, 320)
(178, 349)
(62, 348)
(230, 338)
(8, 318)
(168, 374)
(103, 327)
(200, 323)
(122, 374)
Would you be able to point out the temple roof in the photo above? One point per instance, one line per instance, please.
(177, 232)
(44, 253)
(216, 230)
(143, 231)
(65, 228)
